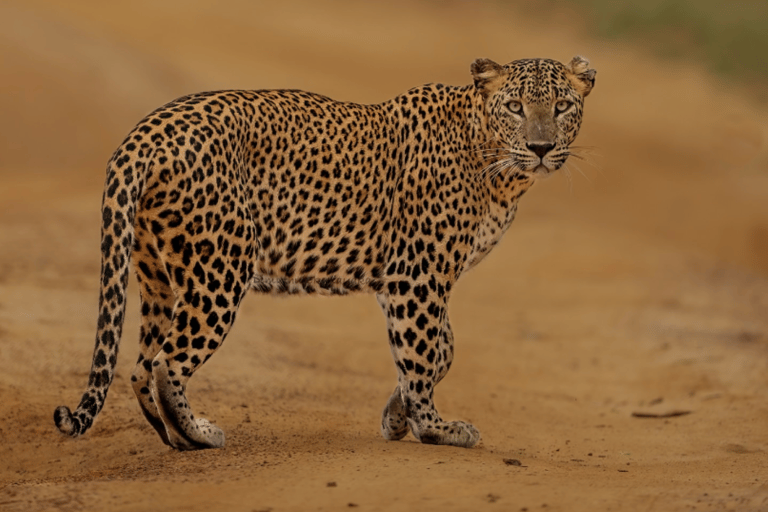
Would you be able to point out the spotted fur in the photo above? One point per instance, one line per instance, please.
(287, 192)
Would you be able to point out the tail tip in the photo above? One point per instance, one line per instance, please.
(65, 422)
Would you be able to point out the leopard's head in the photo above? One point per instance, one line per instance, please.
(533, 110)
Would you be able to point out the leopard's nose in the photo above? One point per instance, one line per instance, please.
(540, 148)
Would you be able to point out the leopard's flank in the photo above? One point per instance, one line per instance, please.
(287, 192)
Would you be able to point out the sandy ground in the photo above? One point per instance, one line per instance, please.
(640, 286)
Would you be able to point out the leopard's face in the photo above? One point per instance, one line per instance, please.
(534, 109)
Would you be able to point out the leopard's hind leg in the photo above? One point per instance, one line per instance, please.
(209, 275)
(205, 257)
(157, 301)
(202, 317)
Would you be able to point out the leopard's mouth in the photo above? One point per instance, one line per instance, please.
(541, 171)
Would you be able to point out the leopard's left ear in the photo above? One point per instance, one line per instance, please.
(582, 78)
(487, 75)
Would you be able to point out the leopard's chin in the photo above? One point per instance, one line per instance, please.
(541, 171)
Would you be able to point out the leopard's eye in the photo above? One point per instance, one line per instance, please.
(515, 107)
(562, 106)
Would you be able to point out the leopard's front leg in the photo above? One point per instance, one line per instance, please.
(422, 346)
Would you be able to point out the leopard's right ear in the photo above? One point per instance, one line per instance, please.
(487, 75)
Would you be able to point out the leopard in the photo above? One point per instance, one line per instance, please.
(287, 192)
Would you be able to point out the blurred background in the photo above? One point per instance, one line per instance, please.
(638, 274)
(679, 112)
(727, 38)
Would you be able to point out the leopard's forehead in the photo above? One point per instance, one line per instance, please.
(537, 80)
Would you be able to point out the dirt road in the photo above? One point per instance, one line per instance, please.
(637, 288)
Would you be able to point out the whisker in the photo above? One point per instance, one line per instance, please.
(506, 165)
(493, 166)
(489, 141)
(589, 162)
(587, 150)
(497, 151)
(513, 166)
(509, 165)
(581, 172)
(568, 176)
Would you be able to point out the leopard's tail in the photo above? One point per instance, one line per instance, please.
(123, 189)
